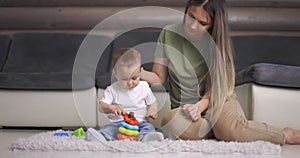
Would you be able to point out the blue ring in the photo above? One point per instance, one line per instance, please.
(129, 126)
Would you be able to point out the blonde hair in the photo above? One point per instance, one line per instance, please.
(220, 79)
(126, 57)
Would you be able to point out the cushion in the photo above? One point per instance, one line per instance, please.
(143, 40)
(44, 52)
(45, 81)
(270, 75)
(4, 46)
(254, 49)
(45, 61)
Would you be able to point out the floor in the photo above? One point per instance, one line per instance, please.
(7, 136)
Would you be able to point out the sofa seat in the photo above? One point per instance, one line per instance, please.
(268, 78)
(45, 108)
(38, 87)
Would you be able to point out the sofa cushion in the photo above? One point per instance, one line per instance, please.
(270, 75)
(254, 49)
(44, 52)
(45, 81)
(4, 45)
(45, 61)
(143, 40)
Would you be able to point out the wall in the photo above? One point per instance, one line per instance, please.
(245, 16)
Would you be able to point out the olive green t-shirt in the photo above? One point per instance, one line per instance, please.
(186, 65)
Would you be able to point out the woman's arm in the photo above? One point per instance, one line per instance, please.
(159, 72)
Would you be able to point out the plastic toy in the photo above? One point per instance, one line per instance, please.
(128, 131)
(61, 134)
(129, 127)
(129, 118)
(121, 136)
(78, 132)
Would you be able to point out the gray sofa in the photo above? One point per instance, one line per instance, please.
(37, 77)
(268, 78)
(36, 82)
(40, 41)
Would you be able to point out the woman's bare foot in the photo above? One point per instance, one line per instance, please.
(292, 136)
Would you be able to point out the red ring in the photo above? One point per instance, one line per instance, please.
(133, 121)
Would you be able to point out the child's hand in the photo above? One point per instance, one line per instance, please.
(117, 110)
(152, 111)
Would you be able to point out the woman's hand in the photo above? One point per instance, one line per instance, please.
(195, 110)
(117, 110)
(192, 110)
(152, 111)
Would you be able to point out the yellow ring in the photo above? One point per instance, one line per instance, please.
(128, 131)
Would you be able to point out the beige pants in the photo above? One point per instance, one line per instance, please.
(230, 125)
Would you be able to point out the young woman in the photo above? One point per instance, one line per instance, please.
(195, 65)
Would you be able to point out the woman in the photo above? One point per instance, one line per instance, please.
(215, 111)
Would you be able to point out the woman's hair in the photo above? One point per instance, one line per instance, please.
(126, 57)
(220, 78)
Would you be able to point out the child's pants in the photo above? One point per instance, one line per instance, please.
(111, 130)
(231, 125)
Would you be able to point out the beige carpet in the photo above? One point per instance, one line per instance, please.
(47, 141)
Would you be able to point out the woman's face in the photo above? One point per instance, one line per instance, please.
(197, 21)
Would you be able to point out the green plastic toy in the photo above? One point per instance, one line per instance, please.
(78, 132)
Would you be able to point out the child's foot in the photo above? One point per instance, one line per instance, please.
(155, 136)
(93, 135)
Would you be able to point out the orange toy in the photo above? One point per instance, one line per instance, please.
(129, 118)
(123, 136)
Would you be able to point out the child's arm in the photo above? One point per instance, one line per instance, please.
(152, 111)
(106, 108)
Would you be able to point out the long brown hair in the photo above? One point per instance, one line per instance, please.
(220, 78)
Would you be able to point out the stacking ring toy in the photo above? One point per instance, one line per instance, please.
(132, 121)
(123, 136)
(128, 131)
(61, 134)
(128, 126)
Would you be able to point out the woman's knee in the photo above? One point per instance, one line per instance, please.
(177, 125)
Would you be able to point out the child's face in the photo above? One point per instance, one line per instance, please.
(128, 77)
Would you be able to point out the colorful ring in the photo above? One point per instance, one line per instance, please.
(133, 121)
(61, 134)
(123, 136)
(128, 126)
(128, 131)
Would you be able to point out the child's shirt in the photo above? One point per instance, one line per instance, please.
(133, 100)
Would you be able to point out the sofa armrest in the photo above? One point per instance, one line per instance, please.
(270, 75)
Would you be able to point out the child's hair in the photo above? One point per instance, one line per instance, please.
(126, 57)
